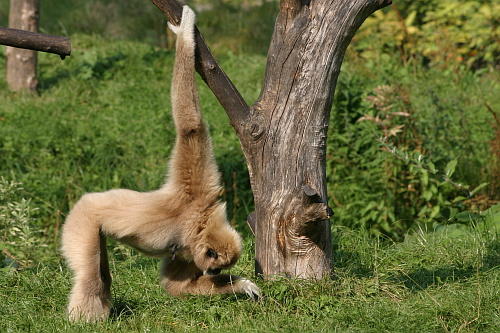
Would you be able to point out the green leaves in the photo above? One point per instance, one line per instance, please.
(19, 238)
(477, 189)
(450, 168)
(390, 183)
(446, 33)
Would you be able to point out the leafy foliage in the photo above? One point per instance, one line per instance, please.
(18, 237)
(405, 154)
(447, 33)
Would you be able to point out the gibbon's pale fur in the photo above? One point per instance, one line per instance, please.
(183, 222)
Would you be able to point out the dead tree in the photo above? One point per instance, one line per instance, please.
(21, 63)
(283, 134)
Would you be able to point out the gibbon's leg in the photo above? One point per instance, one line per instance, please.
(180, 277)
(84, 248)
(192, 164)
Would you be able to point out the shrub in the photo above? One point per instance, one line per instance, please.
(409, 152)
(19, 239)
(448, 33)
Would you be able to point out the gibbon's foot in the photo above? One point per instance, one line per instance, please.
(89, 308)
(187, 22)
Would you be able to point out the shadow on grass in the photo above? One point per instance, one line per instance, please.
(351, 263)
(122, 309)
(45, 83)
(237, 193)
(88, 67)
(424, 278)
(492, 257)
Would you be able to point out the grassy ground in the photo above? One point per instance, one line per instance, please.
(101, 121)
(445, 281)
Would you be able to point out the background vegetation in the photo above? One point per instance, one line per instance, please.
(412, 164)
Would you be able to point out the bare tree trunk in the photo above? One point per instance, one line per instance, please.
(283, 135)
(21, 63)
(287, 158)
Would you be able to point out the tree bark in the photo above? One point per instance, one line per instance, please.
(283, 135)
(21, 64)
(35, 41)
(287, 159)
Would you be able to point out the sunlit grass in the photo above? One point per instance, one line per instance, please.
(443, 281)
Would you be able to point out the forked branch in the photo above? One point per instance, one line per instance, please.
(222, 87)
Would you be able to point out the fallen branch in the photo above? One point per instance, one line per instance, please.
(35, 41)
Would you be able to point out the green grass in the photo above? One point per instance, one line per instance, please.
(445, 281)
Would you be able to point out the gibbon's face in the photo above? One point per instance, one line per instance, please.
(220, 246)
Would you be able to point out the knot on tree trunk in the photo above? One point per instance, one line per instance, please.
(317, 208)
(255, 126)
(297, 233)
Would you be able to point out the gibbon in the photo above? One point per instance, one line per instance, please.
(183, 222)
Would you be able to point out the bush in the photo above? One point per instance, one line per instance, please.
(19, 239)
(448, 33)
(407, 150)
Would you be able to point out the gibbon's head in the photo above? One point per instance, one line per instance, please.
(219, 246)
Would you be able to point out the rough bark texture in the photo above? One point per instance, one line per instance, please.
(283, 135)
(287, 159)
(35, 41)
(21, 63)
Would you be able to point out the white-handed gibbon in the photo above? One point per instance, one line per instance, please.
(183, 222)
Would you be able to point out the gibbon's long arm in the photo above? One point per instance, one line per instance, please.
(192, 167)
(179, 277)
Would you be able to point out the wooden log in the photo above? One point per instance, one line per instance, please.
(35, 41)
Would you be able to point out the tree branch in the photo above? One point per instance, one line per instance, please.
(222, 87)
(35, 41)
